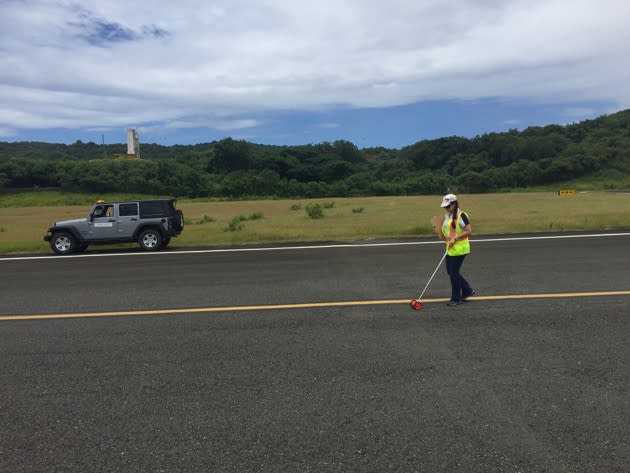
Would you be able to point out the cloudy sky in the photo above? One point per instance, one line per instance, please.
(374, 72)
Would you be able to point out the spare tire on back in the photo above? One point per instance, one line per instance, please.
(178, 220)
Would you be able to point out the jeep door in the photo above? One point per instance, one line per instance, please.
(127, 219)
(102, 222)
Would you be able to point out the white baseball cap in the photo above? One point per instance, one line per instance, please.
(448, 199)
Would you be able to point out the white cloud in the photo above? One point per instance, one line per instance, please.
(579, 112)
(120, 63)
(224, 125)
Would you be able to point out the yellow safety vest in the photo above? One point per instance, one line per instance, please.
(460, 247)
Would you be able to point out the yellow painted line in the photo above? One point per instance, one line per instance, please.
(203, 310)
(311, 305)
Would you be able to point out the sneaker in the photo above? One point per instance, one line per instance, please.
(469, 295)
(452, 303)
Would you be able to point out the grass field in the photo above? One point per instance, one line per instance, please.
(22, 227)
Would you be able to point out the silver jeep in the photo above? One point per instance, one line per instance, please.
(151, 223)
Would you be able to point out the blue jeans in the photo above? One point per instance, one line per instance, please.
(459, 285)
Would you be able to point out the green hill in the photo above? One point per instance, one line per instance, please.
(592, 154)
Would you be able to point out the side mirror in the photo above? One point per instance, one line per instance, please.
(91, 218)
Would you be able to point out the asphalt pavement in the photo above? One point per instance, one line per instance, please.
(501, 385)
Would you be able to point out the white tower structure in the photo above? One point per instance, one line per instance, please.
(133, 144)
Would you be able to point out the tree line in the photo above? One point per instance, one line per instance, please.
(237, 169)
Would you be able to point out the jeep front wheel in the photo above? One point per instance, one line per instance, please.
(150, 240)
(63, 243)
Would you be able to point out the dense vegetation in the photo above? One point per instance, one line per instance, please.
(491, 162)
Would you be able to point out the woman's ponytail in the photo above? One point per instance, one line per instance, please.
(454, 215)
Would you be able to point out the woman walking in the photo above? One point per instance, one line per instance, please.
(455, 231)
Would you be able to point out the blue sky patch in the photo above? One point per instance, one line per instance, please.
(390, 127)
(102, 33)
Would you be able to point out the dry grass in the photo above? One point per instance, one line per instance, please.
(24, 227)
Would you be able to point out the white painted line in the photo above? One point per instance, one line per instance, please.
(310, 247)
(551, 237)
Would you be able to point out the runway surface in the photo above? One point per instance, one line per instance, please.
(201, 370)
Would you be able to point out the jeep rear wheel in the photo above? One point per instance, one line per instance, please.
(63, 243)
(150, 240)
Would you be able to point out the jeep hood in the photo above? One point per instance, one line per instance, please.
(65, 223)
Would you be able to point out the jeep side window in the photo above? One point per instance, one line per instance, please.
(152, 209)
(128, 210)
(103, 211)
(99, 211)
